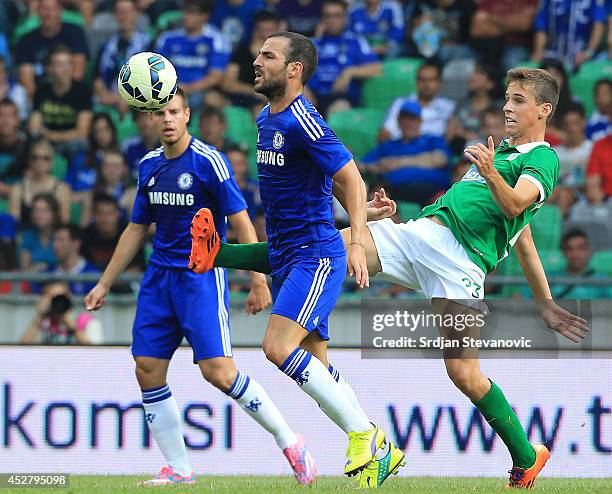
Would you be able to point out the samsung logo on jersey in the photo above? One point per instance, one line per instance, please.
(270, 158)
(171, 198)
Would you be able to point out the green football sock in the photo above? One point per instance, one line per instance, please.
(499, 414)
(249, 257)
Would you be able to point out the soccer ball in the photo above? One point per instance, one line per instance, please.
(147, 81)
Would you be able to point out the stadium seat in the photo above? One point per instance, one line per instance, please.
(59, 166)
(398, 79)
(583, 82)
(194, 124)
(602, 262)
(168, 20)
(240, 125)
(357, 128)
(553, 260)
(3, 205)
(546, 227)
(408, 210)
(76, 209)
(527, 63)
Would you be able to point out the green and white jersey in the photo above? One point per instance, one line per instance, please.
(469, 210)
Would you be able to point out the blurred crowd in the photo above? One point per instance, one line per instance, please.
(70, 147)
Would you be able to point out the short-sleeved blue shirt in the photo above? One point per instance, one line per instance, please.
(171, 191)
(194, 57)
(297, 154)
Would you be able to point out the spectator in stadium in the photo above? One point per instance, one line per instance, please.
(381, 23)
(67, 241)
(32, 50)
(302, 16)
(62, 109)
(501, 31)
(345, 60)
(113, 180)
(414, 166)
(8, 251)
(36, 243)
(38, 180)
(440, 29)
(135, 148)
(119, 48)
(82, 169)
(568, 31)
(492, 123)
(198, 51)
(599, 171)
(13, 147)
(578, 254)
(238, 158)
(240, 74)
(12, 90)
(554, 132)
(101, 236)
(573, 153)
(213, 126)
(235, 18)
(599, 124)
(154, 9)
(56, 323)
(464, 125)
(436, 110)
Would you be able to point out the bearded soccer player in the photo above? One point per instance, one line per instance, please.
(463, 235)
(298, 156)
(175, 180)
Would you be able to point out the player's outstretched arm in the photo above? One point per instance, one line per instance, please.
(354, 191)
(259, 296)
(130, 242)
(556, 318)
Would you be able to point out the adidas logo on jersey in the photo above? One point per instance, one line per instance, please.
(171, 198)
(151, 182)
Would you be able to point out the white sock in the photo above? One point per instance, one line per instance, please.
(254, 400)
(164, 421)
(314, 379)
(348, 391)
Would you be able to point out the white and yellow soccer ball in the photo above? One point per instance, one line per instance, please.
(147, 81)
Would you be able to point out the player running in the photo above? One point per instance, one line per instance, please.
(297, 157)
(175, 181)
(463, 235)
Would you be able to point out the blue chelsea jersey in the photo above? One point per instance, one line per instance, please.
(297, 154)
(170, 192)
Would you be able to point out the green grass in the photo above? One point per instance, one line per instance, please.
(269, 485)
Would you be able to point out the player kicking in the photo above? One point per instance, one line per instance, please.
(297, 156)
(463, 235)
(175, 181)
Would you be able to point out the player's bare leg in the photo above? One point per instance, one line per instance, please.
(221, 372)
(463, 368)
(164, 421)
(281, 345)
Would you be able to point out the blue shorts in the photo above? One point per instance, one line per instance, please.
(177, 303)
(306, 291)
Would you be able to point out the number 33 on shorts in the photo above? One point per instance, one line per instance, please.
(469, 283)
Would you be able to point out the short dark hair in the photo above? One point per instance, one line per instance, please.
(575, 107)
(430, 64)
(265, 16)
(235, 148)
(544, 86)
(104, 198)
(212, 111)
(602, 82)
(341, 3)
(58, 49)
(573, 233)
(204, 6)
(302, 50)
(75, 231)
(52, 204)
(9, 102)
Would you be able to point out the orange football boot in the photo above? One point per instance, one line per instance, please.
(525, 478)
(205, 242)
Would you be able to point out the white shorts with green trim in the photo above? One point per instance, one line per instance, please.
(422, 254)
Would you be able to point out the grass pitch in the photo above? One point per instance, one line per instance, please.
(82, 484)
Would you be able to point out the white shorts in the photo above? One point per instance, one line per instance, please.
(424, 255)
